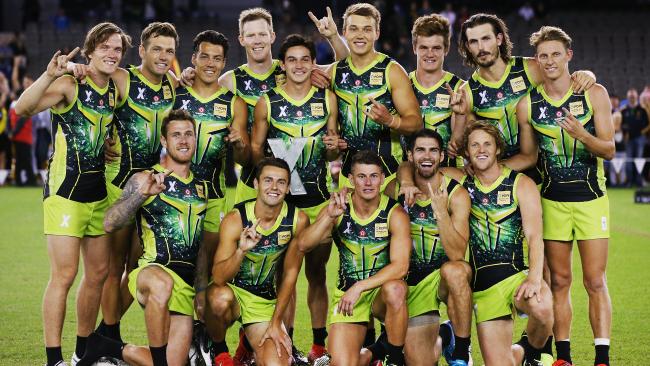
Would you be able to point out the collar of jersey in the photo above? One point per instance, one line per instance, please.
(554, 102)
(495, 84)
(382, 202)
(99, 90)
(297, 103)
(142, 78)
(250, 212)
(196, 95)
(445, 78)
(504, 173)
(264, 76)
(378, 58)
(160, 168)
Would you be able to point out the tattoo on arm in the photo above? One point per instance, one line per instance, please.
(125, 207)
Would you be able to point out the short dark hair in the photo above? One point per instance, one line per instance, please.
(432, 25)
(158, 29)
(488, 127)
(294, 40)
(424, 133)
(366, 157)
(498, 26)
(212, 37)
(272, 161)
(176, 115)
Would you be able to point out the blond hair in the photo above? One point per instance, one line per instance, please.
(549, 33)
(364, 10)
(252, 14)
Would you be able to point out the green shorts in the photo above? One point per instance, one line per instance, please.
(182, 299)
(313, 211)
(62, 216)
(361, 311)
(345, 182)
(244, 192)
(498, 300)
(423, 297)
(566, 221)
(114, 192)
(253, 308)
(214, 214)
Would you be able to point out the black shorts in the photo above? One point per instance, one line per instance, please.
(5, 144)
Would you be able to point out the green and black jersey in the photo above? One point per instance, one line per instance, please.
(363, 244)
(250, 86)
(435, 107)
(170, 224)
(76, 169)
(138, 120)
(427, 254)
(496, 239)
(257, 272)
(306, 119)
(497, 101)
(571, 172)
(354, 88)
(213, 116)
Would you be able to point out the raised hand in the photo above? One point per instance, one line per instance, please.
(326, 25)
(338, 203)
(187, 76)
(439, 198)
(58, 65)
(152, 183)
(320, 78)
(572, 126)
(458, 100)
(410, 193)
(379, 113)
(581, 81)
(249, 237)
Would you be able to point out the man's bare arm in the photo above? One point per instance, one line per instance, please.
(408, 108)
(453, 227)
(260, 129)
(126, 206)
(528, 147)
(228, 257)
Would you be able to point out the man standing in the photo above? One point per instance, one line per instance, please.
(75, 197)
(635, 127)
(170, 204)
(372, 234)
(575, 133)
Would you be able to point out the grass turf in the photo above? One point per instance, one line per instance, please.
(25, 267)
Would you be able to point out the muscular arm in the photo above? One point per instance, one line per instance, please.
(240, 118)
(120, 78)
(314, 233)
(126, 206)
(527, 156)
(226, 80)
(530, 207)
(404, 100)
(332, 124)
(602, 144)
(292, 263)
(228, 257)
(44, 93)
(260, 130)
(453, 226)
(400, 252)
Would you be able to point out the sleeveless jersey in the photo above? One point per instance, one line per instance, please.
(213, 116)
(354, 87)
(571, 172)
(307, 118)
(497, 101)
(363, 244)
(427, 254)
(76, 169)
(257, 272)
(138, 121)
(170, 225)
(250, 86)
(496, 239)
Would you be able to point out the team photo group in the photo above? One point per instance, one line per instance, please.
(202, 196)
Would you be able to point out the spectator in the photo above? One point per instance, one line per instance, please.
(19, 64)
(21, 136)
(61, 21)
(450, 14)
(617, 174)
(5, 145)
(43, 137)
(526, 12)
(635, 126)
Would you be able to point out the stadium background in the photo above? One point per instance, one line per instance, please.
(610, 38)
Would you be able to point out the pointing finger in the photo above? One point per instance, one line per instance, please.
(329, 13)
(313, 18)
(72, 54)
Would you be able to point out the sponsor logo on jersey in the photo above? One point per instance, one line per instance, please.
(284, 237)
(376, 78)
(381, 230)
(503, 198)
(220, 110)
(518, 84)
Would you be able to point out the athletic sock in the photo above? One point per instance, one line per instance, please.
(220, 347)
(370, 337)
(101, 328)
(54, 355)
(461, 351)
(445, 335)
(100, 346)
(602, 351)
(378, 349)
(394, 354)
(319, 336)
(113, 331)
(159, 355)
(563, 349)
(532, 353)
(80, 347)
(523, 341)
(290, 333)
(548, 347)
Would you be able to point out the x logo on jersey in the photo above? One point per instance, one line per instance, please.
(542, 112)
(483, 96)
(247, 84)
(172, 186)
(283, 111)
(291, 156)
(344, 77)
(88, 95)
(186, 103)
(141, 93)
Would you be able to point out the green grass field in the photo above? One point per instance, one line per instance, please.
(24, 267)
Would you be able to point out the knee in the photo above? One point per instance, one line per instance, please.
(63, 277)
(96, 276)
(394, 293)
(561, 280)
(595, 284)
(316, 277)
(220, 299)
(456, 273)
(159, 291)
